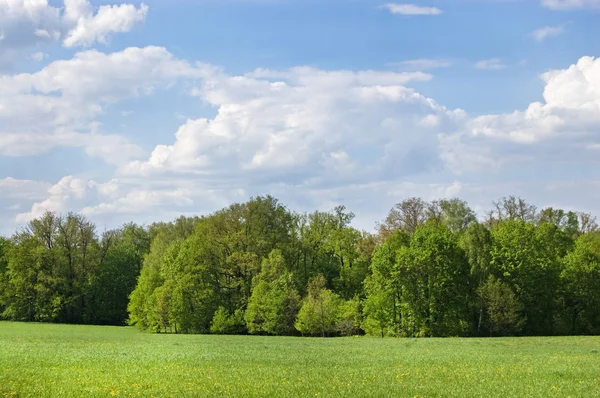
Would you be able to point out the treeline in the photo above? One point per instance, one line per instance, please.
(432, 269)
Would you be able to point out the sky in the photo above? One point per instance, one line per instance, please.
(146, 111)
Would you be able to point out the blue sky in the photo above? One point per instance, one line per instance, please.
(144, 111)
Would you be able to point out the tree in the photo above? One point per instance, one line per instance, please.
(527, 258)
(318, 233)
(504, 312)
(434, 278)
(342, 244)
(383, 288)
(320, 309)
(225, 323)
(581, 281)
(150, 303)
(432, 270)
(350, 317)
(112, 283)
(4, 244)
(142, 304)
(406, 216)
(587, 223)
(566, 221)
(457, 215)
(512, 208)
(21, 298)
(476, 242)
(274, 303)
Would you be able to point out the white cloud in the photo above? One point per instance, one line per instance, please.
(91, 28)
(26, 23)
(546, 32)
(571, 4)
(58, 105)
(68, 194)
(421, 64)
(562, 128)
(274, 122)
(22, 189)
(411, 9)
(60, 196)
(111, 148)
(300, 130)
(313, 138)
(142, 201)
(39, 56)
(491, 64)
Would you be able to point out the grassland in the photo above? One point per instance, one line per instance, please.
(78, 361)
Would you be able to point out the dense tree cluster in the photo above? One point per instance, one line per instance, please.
(432, 269)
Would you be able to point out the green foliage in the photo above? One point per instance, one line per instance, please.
(434, 278)
(274, 303)
(150, 301)
(4, 281)
(350, 317)
(110, 286)
(256, 267)
(319, 314)
(476, 242)
(528, 259)
(581, 285)
(383, 288)
(503, 310)
(225, 323)
(21, 294)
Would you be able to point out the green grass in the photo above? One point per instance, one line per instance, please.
(78, 361)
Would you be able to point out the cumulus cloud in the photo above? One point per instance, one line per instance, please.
(300, 121)
(58, 105)
(562, 128)
(286, 132)
(68, 194)
(411, 9)
(77, 23)
(316, 138)
(60, 195)
(90, 28)
(546, 32)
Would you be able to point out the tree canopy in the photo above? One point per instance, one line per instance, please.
(431, 269)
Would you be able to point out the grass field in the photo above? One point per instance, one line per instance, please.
(77, 361)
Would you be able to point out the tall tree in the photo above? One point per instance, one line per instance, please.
(4, 244)
(457, 215)
(435, 283)
(275, 301)
(512, 208)
(406, 216)
(528, 259)
(114, 278)
(22, 298)
(320, 310)
(476, 242)
(581, 285)
(383, 288)
(504, 312)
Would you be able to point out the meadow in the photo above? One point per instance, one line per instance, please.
(43, 360)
